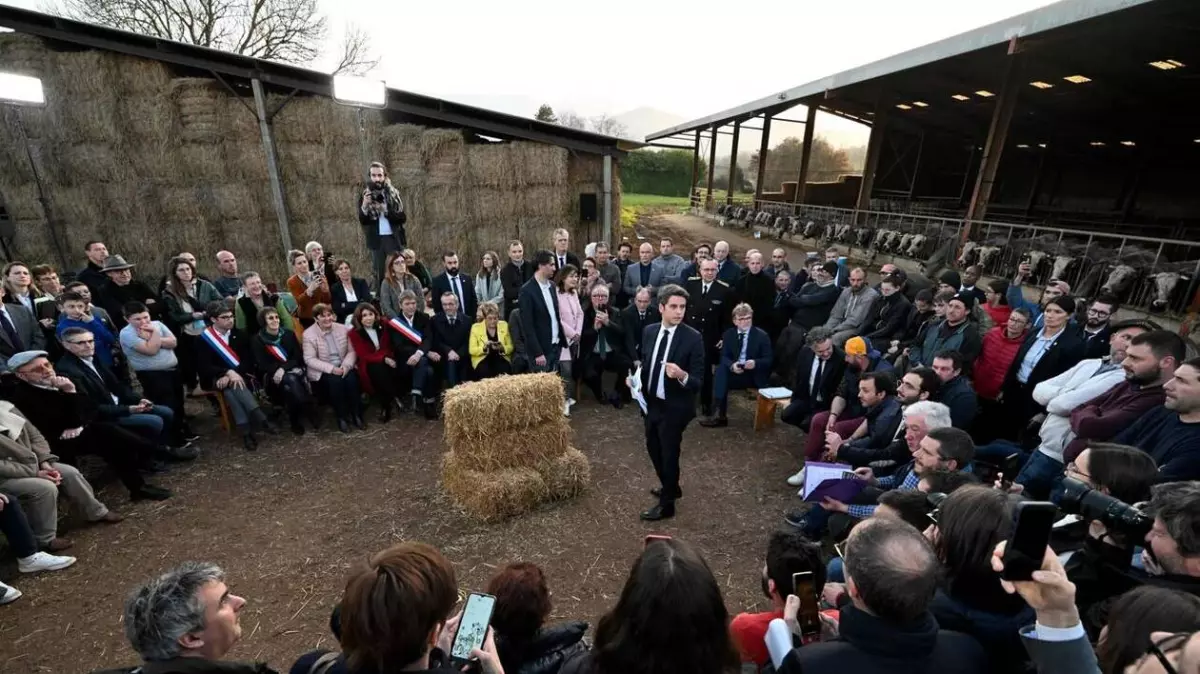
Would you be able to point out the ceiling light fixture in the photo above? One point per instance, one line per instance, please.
(1042, 145)
(960, 97)
(921, 104)
(1128, 143)
(1097, 143)
(984, 93)
(904, 106)
(1168, 64)
(1023, 146)
(1077, 79)
(21, 89)
(1041, 85)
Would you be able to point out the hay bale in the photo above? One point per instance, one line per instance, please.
(492, 165)
(444, 154)
(443, 204)
(547, 201)
(525, 448)
(246, 160)
(402, 149)
(567, 475)
(87, 163)
(476, 412)
(304, 163)
(198, 163)
(143, 78)
(21, 200)
(540, 164)
(148, 119)
(199, 102)
(493, 205)
(322, 202)
(23, 54)
(82, 91)
(495, 495)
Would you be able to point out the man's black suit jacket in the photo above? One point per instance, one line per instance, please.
(572, 259)
(535, 320)
(98, 388)
(402, 347)
(635, 327)
(447, 338)
(831, 378)
(512, 278)
(441, 286)
(687, 351)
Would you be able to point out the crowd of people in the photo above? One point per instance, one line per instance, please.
(951, 403)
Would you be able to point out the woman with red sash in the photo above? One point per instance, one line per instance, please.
(280, 365)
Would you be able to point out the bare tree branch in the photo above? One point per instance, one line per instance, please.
(609, 126)
(357, 57)
(291, 31)
(570, 119)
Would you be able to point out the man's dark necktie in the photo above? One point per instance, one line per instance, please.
(741, 343)
(562, 261)
(457, 288)
(18, 345)
(816, 386)
(778, 296)
(660, 354)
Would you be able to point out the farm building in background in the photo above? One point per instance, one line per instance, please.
(156, 147)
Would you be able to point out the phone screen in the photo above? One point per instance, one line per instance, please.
(810, 610)
(472, 629)
(1010, 468)
(1027, 545)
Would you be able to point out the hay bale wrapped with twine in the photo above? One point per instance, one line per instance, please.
(493, 495)
(86, 90)
(444, 153)
(478, 411)
(492, 165)
(527, 448)
(541, 164)
(567, 475)
(402, 149)
(199, 102)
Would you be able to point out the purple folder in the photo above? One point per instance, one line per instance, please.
(839, 490)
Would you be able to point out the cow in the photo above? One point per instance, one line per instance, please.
(1039, 265)
(988, 256)
(969, 255)
(862, 236)
(810, 230)
(916, 246)
(1120, 280)
(841, 233)
(905, 242)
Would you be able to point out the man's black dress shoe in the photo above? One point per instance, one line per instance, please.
(657, 491)
(659, 512)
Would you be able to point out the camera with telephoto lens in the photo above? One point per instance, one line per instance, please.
(1116, 515)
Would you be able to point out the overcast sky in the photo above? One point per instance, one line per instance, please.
(681, 56)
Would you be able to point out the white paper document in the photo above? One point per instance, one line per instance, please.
(775, 393)
(635, 388)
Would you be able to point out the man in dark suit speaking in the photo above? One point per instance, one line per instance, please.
(672, 373)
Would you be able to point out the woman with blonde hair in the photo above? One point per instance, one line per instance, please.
(487, 282)
(490, 345)
(397, 279)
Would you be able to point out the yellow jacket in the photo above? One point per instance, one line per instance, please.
(478, 341)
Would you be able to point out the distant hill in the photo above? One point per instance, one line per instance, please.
(642, 121)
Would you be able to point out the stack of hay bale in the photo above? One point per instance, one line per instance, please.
(509, 446)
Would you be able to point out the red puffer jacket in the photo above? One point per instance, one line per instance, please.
(997, 354)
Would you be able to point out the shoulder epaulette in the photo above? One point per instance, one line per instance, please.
(722, 283)
(694, 278)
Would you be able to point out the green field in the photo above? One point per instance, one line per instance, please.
(652, 200)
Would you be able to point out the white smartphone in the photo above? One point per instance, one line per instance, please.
(472, 628)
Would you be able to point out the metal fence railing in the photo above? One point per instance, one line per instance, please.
(1157, 275)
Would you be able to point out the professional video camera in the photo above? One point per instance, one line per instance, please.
(1117, 516)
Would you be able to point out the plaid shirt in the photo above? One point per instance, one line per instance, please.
(910, 482)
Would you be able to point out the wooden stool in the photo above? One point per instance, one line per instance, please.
(764, 410)
(223, 408)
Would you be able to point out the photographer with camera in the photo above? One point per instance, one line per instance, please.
(381, 214)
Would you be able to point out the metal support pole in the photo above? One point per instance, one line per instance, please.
(810, 122)
(763, 149)
(712, 162)
(871, 166)
(268, 142)
(737, 132)
(606, 232)
(997, 136)
(55, 237)
(912, 186)
(695, 166)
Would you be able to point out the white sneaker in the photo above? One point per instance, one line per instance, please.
(8, 594)
(43, 561)
(797, 480)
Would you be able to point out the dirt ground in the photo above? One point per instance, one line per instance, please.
(287, 522)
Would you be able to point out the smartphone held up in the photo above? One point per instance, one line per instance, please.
(1030, 535)
(472, 627)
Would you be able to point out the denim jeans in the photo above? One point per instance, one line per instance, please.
(997, 451)
(155, 425)
(1040, 476)
(834, 572)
